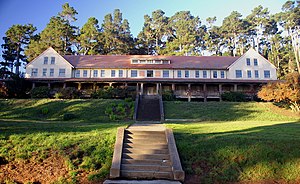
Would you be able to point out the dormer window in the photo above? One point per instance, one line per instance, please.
(150, 61)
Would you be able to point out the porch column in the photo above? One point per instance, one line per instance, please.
(189, 92)
(49, 85)
(142, 89)
(65, 85)
(79, 86)
(33, 85)
(235, 88)
(137, 88)
(220, 91)
(110, 84)
(94, 86)
(205, 92)
(173, 87)
(157, 88)
(125, 84)
(252, 92)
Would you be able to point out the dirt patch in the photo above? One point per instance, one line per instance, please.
(34, 170)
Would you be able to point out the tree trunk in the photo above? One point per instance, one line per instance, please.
(18, 60)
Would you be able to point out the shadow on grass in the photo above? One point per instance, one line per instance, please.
(262, 153)
(84, 110)
(222, 111)
(10, 127)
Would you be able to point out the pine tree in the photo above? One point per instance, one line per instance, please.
(17, 38)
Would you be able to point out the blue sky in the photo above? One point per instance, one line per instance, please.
(38, 12)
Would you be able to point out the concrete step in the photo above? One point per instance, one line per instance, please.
(145, 151)
(146, 141)
(149, 145)
(146, 156)
(140, 182)
(145, 133)
(147, 162)
(146, 174)
(153, 168)
(145, 136)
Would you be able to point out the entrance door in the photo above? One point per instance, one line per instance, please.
(149, 89)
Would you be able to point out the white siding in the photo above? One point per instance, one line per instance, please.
(263, 64)
(60, 63)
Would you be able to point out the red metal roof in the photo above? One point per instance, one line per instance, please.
(177, 62)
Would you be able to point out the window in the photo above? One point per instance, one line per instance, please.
(248, 61)
(133, 73)
(166, 74)
(267, 74)
(215, 74)
(222, 74)
(95, 73)
(45, 60)
(256, 73)
(149, 73)
(179, 73)
(44, 72)
(143, 61)
(249, 75)
(34, 72)
(255, 62)
(51, 72)
(77, 74)
(134, 61)
(238, 74)
(84, 73)
(204, 74)
(62, 72)
(102, 74)
(166, 62)
(197, 74)
(113, 73)
(52, 60)
(186, 74)
(120, 73)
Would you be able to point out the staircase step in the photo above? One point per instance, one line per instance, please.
(145, 151)
(146, 174)
(146, 141)
(149, 145)
(146, 156)
(153, 168)
(147, 162)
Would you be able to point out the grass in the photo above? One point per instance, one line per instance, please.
(237, 142)
(36, 127)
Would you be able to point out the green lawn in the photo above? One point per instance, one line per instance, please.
(236, 142)
(36, 128)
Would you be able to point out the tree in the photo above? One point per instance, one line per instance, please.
(58, 34)
(154, 31)
(232, 27)
(183, 32)
(258, 20)
(116, 34)
(290, 20)
(286, 92)
(17, 38)
(89, 38)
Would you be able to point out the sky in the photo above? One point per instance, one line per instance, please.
(39, 12)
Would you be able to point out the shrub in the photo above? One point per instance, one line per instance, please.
(168, 96)
(234, 97)
(287, 92)
(67, 93)
(120, 111)
(45, 111)
(40, 92)
(68, 116)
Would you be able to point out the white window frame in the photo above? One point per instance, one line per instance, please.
(44, 72)
(102, 73)
(166, 73)
(34, 72)
(45, 60)
(240, 72)
(62, 72)
(51, 73)
(121, 73)
(52, 61)
(113, 73)
(135, 72)
(95, 73)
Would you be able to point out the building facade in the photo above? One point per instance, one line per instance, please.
(201, 77)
